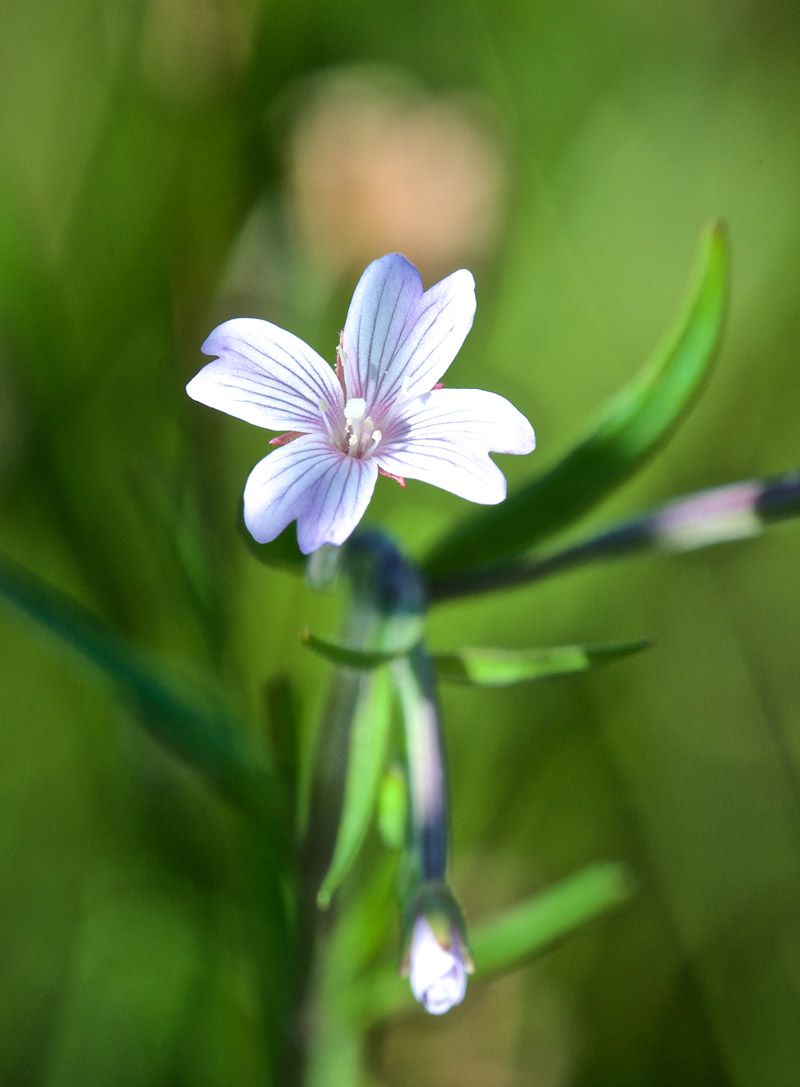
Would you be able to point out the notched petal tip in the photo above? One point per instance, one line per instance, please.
(519, 437)
(216, 342)
(266, 376)
(310, 482)
(461, 282)
(399, 339)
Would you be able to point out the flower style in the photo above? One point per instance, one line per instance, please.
(380, 410)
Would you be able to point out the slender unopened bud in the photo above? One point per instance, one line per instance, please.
(437, 961)
(710, 517)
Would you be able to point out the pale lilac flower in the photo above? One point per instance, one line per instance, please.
(437, 974)
(379, 411)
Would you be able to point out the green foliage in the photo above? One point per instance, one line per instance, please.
(484, 667)
(393, 808)
(200, 729)
(348, 657)
(369, 737)
(150, 187)
(534, 925)
(630, 429)
(505, 667)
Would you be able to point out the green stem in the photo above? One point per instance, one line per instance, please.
(427, 764)
(718, 515)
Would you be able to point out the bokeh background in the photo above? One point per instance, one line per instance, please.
(170, 163)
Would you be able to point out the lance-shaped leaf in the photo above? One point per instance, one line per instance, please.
(369, 736)
(632, 426)
(505, 667)
(347, 656)
(199, 729)
(528, 929)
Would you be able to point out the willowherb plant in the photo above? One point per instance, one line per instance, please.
(382, 410)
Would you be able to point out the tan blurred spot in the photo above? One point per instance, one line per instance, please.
(377, 167)
(192, 49)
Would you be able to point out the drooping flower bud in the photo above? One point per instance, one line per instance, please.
(437, 961)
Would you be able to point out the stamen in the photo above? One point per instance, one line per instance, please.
(360, 435)
(341, 359)
(324, 407)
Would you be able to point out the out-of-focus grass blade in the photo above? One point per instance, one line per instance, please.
(349, 656)
(130, 984)
(199, 729)
(369, 734)
(504, 667)
(533, 926)
(634, 424)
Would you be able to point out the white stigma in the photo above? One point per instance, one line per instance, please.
(355, 409)
(360, 435)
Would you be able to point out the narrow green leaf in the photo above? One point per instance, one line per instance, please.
(199, 729)
(504, 667)
(369, 736)
(132, 977)
(349, 656)
(630, 429)
(528, 929)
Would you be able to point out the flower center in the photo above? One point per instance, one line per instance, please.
(360, 436)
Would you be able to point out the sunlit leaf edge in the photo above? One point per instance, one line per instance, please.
(505, 667)
(633, 425)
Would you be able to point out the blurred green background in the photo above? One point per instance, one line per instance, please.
(168, 164)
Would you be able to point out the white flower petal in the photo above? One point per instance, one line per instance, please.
(479, 417)
(449, 465)
(445, 436)
(398, 341)
(438, 977)
(311, 482)
(266, 376)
